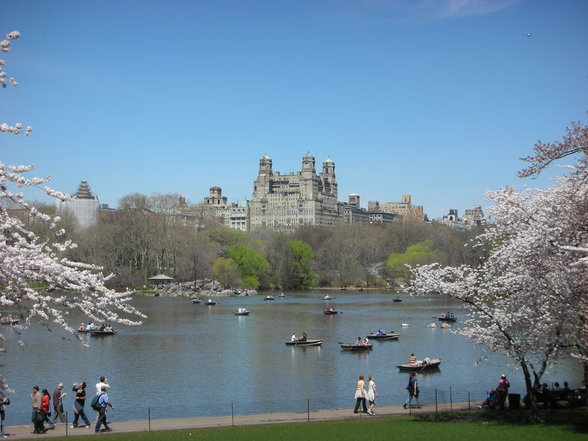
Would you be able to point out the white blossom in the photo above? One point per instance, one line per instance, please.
(13, 35)
(528, 298)
(5, 46)
(25, 258)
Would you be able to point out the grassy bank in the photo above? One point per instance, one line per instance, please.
(454, 427)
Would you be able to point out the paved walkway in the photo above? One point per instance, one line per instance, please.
(25, 432)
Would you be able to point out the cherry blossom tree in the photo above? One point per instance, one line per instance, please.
(24, 258)
(527, 298)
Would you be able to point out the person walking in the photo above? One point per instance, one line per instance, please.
(46, 407)
(413, 390)
(4, 401)
(37, 417)
(102, 383)
(372, 393)
(104, 402)
(78, 406)
(58, 404)
(502, 391)
(360, 395)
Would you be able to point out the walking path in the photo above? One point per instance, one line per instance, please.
(25, 431)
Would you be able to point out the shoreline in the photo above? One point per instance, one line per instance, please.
(164, 424)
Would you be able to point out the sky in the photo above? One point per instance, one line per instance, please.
(437, 99)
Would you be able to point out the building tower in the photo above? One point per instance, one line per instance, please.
(288, 201)
(83, 206)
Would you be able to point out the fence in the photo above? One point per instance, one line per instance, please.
(311, 409)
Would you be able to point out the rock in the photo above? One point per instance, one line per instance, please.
(202, 288)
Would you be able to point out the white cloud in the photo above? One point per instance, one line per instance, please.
(418, 10)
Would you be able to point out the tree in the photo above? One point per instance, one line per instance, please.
(528, 298)
(301, 257)
(25, 258)
(227, 272)
(417, 254)
(250, 262)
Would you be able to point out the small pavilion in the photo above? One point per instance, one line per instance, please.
(160, 280)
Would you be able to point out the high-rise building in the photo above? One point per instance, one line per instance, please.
(286, 202)
(473, 217)
(83, 206)
(403, 208)
(215, 210)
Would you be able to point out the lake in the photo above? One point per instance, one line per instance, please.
(198, 360)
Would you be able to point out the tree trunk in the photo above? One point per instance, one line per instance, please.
(531, 395)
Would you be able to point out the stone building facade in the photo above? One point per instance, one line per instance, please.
(352, 213)
(216, 210)
(286, 202)
(473, 217)
(403, 208)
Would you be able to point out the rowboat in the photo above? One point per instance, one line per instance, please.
(447, 317)
(97, 333)
(355, 347)
(419, 366)
(330, 311)
(397, 299)
(210, 302)
(327, 297)
(268, 298)
(386, 336)
(196, 300)
(304, 343)
(242, 311)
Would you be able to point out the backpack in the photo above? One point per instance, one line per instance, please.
(95, 404)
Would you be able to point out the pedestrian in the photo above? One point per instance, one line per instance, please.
(58, 404)
(360, 395)
(46, 407)
(502, 391)
(102, 383)
(104, 403)
(37, 417)
(372, 393)
(78, 406)
(4, 401)
(413, 390)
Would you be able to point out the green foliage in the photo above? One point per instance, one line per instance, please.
(380, 283)
(301, 258)
(226, 271)
(250, 262)
(421, 253)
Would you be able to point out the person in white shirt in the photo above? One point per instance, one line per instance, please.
(103, 383)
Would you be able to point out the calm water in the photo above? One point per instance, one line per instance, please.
(197, 360)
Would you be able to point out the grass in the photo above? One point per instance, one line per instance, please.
(484, 426)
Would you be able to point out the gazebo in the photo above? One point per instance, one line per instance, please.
(160, 280)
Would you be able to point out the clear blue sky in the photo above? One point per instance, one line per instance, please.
(438, 99)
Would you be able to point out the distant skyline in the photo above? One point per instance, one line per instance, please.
(437, 99)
